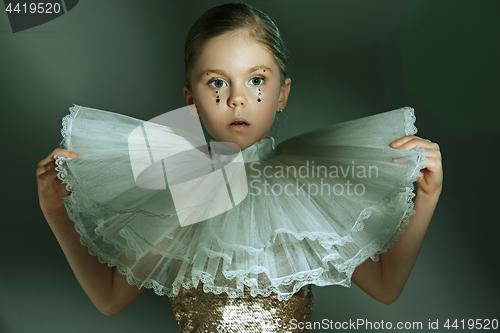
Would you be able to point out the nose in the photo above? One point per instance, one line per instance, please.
(237, 97)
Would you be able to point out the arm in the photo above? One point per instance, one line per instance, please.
(105, 286)
(108, 290)
(385, 279)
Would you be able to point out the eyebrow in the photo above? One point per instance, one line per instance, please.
(251, 70)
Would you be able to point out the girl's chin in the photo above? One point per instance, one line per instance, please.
(236, 141)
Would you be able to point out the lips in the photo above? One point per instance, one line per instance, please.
(238, 121)
(238, 124)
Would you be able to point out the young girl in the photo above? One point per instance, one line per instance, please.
(326, 207)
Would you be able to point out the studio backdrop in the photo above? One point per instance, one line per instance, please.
(349, 59)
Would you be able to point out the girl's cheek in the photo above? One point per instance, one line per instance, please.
(207, 101)
(214, 97)
(267, 96)
(258, 93)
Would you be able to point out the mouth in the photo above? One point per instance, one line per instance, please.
(239, 121)
(239, 125)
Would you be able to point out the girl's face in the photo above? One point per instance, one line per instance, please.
(237, 71)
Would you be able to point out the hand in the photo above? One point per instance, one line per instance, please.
(51, 191)
(431, 178)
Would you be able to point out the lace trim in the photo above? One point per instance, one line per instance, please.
(299, 279)
(67, 122)
(327, 240)
(410, 129)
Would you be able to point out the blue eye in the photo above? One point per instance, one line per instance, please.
(216, 80)
(257, 78)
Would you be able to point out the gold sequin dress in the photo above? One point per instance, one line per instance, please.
(197, 311)
(252, 228)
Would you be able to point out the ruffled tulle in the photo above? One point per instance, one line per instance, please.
(283, 235)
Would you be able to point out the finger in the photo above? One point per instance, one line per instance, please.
(433, 160)
(47, 171)
(47, 176)
(48, 162)
(58, 151)
(44, 168)
(399, 160)
(414, 142)
(398, 142)
(407, 138)
(431, 155)
(66, 153)
(50, 166)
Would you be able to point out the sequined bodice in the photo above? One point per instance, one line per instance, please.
(197, 311)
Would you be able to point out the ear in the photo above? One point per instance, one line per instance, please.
(188, 95)
(284, 93)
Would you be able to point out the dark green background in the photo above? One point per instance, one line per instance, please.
(350, 59)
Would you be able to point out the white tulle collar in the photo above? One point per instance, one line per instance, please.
(260, 151)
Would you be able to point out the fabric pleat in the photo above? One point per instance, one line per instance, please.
(317, 205)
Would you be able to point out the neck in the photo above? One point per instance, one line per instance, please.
(259, 151)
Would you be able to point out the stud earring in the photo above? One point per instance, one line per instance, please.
(260, 95)
(281, 110)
